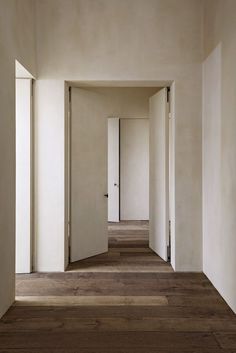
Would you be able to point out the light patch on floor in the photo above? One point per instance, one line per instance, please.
(89, 300)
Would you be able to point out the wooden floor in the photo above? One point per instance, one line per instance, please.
(125, 301)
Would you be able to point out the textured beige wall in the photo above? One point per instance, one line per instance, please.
(138, 40)
(220, 242)
(16, 42)
(113, 38)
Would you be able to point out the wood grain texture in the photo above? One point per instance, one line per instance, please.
(119, 302)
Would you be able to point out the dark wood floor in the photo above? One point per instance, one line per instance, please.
(125, 301)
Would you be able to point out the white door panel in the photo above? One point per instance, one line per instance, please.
(113, 169)
(159, 185)
(88, 175)
(23, 175)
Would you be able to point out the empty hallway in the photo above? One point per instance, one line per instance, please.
(117, 111)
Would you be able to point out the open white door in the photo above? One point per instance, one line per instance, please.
(88, 175)
(113, 169)
(159, 179)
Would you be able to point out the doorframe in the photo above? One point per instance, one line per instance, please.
(171, 195)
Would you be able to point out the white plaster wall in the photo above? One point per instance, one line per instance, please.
(134, 169)
(49, 175)
(105, 39)
(219, 147)
(16, 42)
(23, 176)
(124, 102)
(139, 41)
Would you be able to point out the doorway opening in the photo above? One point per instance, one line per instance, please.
(128, 169)
(128, 187)
(119, 171)
(24, 169)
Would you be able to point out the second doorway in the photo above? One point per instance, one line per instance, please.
(128, 169)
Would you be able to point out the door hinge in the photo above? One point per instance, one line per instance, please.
(32, 88)
(69, 244)
(169, 246)
(69, 254)
(68, 229)
(70, 94)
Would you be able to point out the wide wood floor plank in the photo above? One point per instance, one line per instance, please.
(129, 312)
(90, 300)
(120, 324)
(174, 340)
(226, 339)
(118, 350)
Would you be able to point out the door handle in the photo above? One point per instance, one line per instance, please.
(106, 195)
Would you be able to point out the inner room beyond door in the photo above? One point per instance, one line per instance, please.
(88, 171)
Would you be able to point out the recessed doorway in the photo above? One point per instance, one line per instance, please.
(89, 192)
(128, 169)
